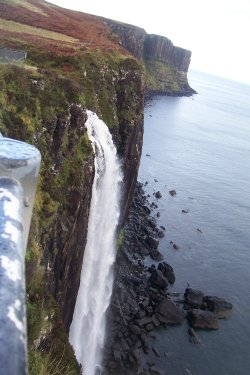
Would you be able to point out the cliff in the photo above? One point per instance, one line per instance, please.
(43, 101)
(166, 65)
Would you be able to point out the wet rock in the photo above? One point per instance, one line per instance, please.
(158, 280)
(167, 312)
(158, 194)
(156, 351)
(156, 255)
(155, 371)
(203, 319)
(221, 307)
(144, 321)
(176, 247)
(152, 268)
(117, 355)
(149, 310)
(152, 242)
(150, 327)
(155, 321)
(194, 337)
(193, 298)
(143, 250)
(167, 271)
(160, 234)
(172, 192)
(152, 223)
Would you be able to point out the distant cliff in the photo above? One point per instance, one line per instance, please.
(166, 66)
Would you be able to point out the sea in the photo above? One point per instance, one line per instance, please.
(199, 146)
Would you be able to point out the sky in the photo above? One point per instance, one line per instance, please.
(216, 31)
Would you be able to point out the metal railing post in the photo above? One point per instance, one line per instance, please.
(19, 168)
(13, 353)
(21, 161)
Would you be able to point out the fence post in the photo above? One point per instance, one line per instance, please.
(21, 161)
(19, 168)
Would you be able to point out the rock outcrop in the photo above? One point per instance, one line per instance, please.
(166, 65)
(55, 123)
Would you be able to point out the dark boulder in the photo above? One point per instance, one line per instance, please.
(194, 337)
(152, 242)
(176, 247)
(160, 234)
(144, 321)
(221, 307)
(167, 271)
(158, 280)
(172, 192)
(203, 319)
(193, 298)
(158, 194)
(167, 312)
(156, 255)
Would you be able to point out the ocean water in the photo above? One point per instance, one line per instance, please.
(200, 146)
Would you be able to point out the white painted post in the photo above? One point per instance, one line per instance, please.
(13, 352)
(19, 168)
(21, 161)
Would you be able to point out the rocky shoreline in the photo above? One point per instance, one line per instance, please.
(141, 301)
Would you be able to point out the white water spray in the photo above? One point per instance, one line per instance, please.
(87, 330)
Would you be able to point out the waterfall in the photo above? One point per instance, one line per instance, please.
(87, 330)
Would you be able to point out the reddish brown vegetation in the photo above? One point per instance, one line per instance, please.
(89, 30)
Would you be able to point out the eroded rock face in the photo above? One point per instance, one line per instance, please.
(128, 137)
(165, 63)
(70, 229)
(65, 240)
(162, 49)
(131, 37)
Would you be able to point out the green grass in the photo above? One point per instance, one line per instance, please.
(160, 76)
(17, 27)
(47, 364)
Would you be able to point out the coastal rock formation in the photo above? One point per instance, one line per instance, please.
(203, 319)
(219, 306)
(142, 300)
(166, 64)
(129, 36)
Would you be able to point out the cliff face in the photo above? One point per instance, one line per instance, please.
(43, 108)
(130, 37)
(166, 65)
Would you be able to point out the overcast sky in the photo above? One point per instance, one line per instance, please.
(216, 31)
